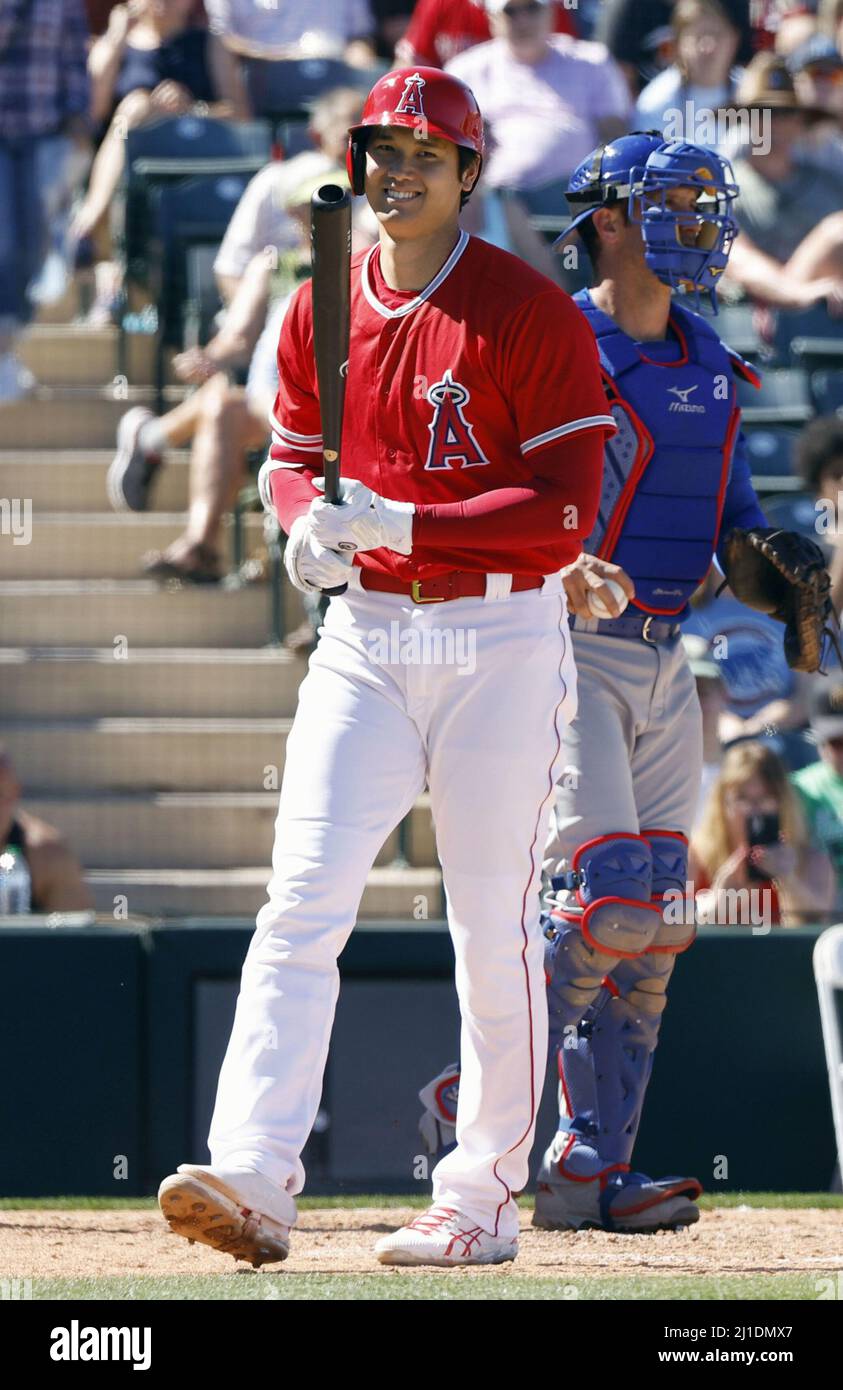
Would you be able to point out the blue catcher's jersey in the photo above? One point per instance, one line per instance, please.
(667, 471)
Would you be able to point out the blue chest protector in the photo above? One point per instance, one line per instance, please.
(666, 470)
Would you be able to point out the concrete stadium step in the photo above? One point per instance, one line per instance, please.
(99, 612)
(73, 480)
(61, 310)
(81, 416)
(73, 683)
(87, 755)
(414, 894)
(104, 545)
(69, 354)
(171, 830)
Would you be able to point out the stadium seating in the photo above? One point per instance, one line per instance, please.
(796, 512)
(180, 148)
(190, 214)
(770, 449)
(827, 391)
(203, 301)
(735, 324)
(809, 338)
(783, 399)
(547, 207)
(280, 90)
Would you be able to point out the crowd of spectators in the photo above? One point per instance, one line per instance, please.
(760, 80)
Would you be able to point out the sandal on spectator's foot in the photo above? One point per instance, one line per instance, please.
(203, 568)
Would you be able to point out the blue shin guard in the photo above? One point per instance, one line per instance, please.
(605, 1062)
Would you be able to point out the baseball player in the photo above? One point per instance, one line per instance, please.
(655, 217)
(472, 457)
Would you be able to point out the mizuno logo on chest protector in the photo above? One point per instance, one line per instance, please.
(452, 442)
(682, 402)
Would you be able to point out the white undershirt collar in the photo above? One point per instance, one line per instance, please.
(441, 274)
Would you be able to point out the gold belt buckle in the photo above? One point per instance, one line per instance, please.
(645, 631)
(415, 590)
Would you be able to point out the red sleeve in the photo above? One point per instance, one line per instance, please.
(295, 454)
(564, 496)
(291, 494)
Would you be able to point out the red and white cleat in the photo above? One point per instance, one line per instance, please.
(443, 1236)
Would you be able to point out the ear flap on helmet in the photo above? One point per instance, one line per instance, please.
(355, 161)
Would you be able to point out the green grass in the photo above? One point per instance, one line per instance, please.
(708, 1202)
(449, 1285)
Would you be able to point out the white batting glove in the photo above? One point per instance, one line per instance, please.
(310, 566)
(361, 520)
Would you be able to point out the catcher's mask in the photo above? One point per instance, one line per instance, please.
(687, 250)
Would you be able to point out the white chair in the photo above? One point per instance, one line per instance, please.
(828, 973)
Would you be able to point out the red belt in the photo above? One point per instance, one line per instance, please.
(457, 584)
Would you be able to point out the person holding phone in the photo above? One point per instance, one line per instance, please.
(753, 835)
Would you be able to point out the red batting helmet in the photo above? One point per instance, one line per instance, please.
(423, 99)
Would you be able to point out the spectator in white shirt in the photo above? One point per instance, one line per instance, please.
(261, 218)
(548, 98)
(290, 29)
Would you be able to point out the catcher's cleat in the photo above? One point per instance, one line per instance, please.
(443, 1236)
(203, 1207)
(613, 1200)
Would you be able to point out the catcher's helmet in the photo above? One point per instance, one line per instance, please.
(640, 169)
(605, 176)
(427, 100)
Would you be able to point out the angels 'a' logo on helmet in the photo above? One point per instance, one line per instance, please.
(452, 442)
(410, 101)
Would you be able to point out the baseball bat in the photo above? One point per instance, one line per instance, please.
(330, 240)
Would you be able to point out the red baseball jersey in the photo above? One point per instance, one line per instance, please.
(480, 382)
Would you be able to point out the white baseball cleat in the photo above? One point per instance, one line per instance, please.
(443, 1236)
(203, 1206)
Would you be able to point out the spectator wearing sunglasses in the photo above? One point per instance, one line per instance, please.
(816, 68)
(820, 785)
(548, 98)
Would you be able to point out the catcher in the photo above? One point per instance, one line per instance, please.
(655, 218)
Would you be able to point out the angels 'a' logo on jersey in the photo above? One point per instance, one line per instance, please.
(452, 442)
(411, 97)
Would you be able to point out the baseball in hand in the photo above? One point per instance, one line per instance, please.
(597, 607)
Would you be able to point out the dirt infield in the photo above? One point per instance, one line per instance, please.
(737, 1241)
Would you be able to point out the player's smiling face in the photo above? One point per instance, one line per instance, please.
(412, 184)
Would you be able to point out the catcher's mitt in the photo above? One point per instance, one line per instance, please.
(784, 574)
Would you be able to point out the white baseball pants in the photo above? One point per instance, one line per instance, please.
(471, 696)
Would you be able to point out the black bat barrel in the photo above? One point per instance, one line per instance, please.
(330, 232)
